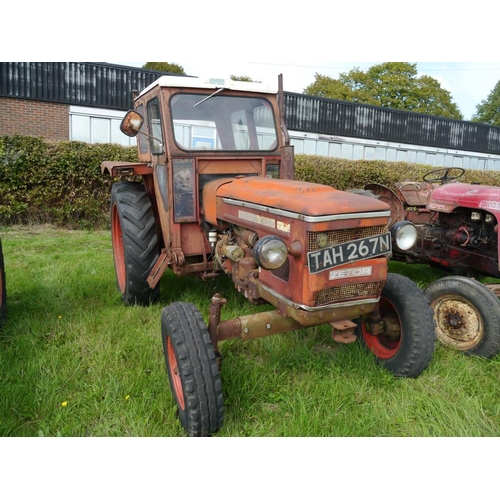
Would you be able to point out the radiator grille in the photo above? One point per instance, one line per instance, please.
(343, 235)
(346, 292)
(283, 272)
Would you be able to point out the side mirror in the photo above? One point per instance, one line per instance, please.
(131, 123)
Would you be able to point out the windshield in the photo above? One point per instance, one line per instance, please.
(223, 123)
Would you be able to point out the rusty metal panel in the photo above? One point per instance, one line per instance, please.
(80, 83)
(348, 119)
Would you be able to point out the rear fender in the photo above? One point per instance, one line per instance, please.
(125, 168)
(392, 199)
(415, 194)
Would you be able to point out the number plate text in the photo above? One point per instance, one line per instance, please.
(352, 251)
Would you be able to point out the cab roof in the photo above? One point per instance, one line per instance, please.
(210, 83)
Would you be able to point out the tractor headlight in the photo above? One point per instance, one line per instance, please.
(404, 235)
(270, 252)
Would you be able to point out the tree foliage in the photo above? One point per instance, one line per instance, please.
(242, 78)
(488, 110)
(165, 67)
(392, 85)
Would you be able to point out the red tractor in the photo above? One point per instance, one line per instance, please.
(457, 226)
(217, 196)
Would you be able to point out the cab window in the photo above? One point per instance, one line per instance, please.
(155, 129)
(223, 123)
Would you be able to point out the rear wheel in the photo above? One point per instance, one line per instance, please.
(135, 242)
(3, 290)
(406, 342)
(192, 369)
(467, 315)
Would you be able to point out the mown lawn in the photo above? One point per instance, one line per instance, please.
(77, 362)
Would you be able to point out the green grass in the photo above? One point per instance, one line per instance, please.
(76, 362)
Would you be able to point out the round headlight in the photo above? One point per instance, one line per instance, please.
(404, 235)
(270, 252)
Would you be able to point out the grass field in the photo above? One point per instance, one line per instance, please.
(76, 362)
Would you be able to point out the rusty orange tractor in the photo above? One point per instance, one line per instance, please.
(217, 196)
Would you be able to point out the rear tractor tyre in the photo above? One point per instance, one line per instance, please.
(467, 315)
(3, 290)
(192, 369)
(406, 345)
(135, 242)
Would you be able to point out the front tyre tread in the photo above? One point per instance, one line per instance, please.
(192, 369)
(479, 299)
(412, 353)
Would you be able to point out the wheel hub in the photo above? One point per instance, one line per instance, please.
(455, 320)
(458, 322)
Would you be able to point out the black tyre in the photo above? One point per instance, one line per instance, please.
(135, 242)
(3, 289)
(192, 369)
(467, 315)
(407, 342)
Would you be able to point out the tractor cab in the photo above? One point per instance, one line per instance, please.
(192, 132)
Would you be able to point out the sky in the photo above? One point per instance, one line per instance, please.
(468, 82)
(454, 43)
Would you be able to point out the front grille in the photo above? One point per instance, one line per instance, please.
(343, 235)
(282, 272)
(346, 292)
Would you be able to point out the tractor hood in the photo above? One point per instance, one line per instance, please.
(299, 197)
(302, 198)
(447, 197)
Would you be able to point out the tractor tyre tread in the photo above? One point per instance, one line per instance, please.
(140, 240)
(483, 299)
(203, 412)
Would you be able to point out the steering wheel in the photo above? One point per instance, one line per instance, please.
(444, 175)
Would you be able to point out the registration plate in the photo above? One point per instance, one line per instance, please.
(352, 251)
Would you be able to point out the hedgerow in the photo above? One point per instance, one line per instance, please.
(61, 182)
(56, 182)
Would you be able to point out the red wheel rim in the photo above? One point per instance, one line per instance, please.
(382, 346)
(118, 248)
(174, 374)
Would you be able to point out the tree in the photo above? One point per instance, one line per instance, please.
(165, 67)
(392, 85)
(488, 110)
(242, 79)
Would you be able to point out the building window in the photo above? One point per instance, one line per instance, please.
(97, 126)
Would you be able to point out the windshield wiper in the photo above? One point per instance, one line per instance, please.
(208, 97)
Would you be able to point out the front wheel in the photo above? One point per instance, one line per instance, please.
(192, 369)
(405, 341)
(467, 315)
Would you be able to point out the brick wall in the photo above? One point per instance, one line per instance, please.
(37, 118)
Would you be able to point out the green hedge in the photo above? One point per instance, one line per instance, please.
(349, 174)
(61, 182)
(56, 182)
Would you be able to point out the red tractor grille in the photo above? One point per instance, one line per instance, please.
(346, 292)
(343, 236)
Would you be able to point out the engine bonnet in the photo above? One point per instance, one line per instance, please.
(299, 197)
(447, 197)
